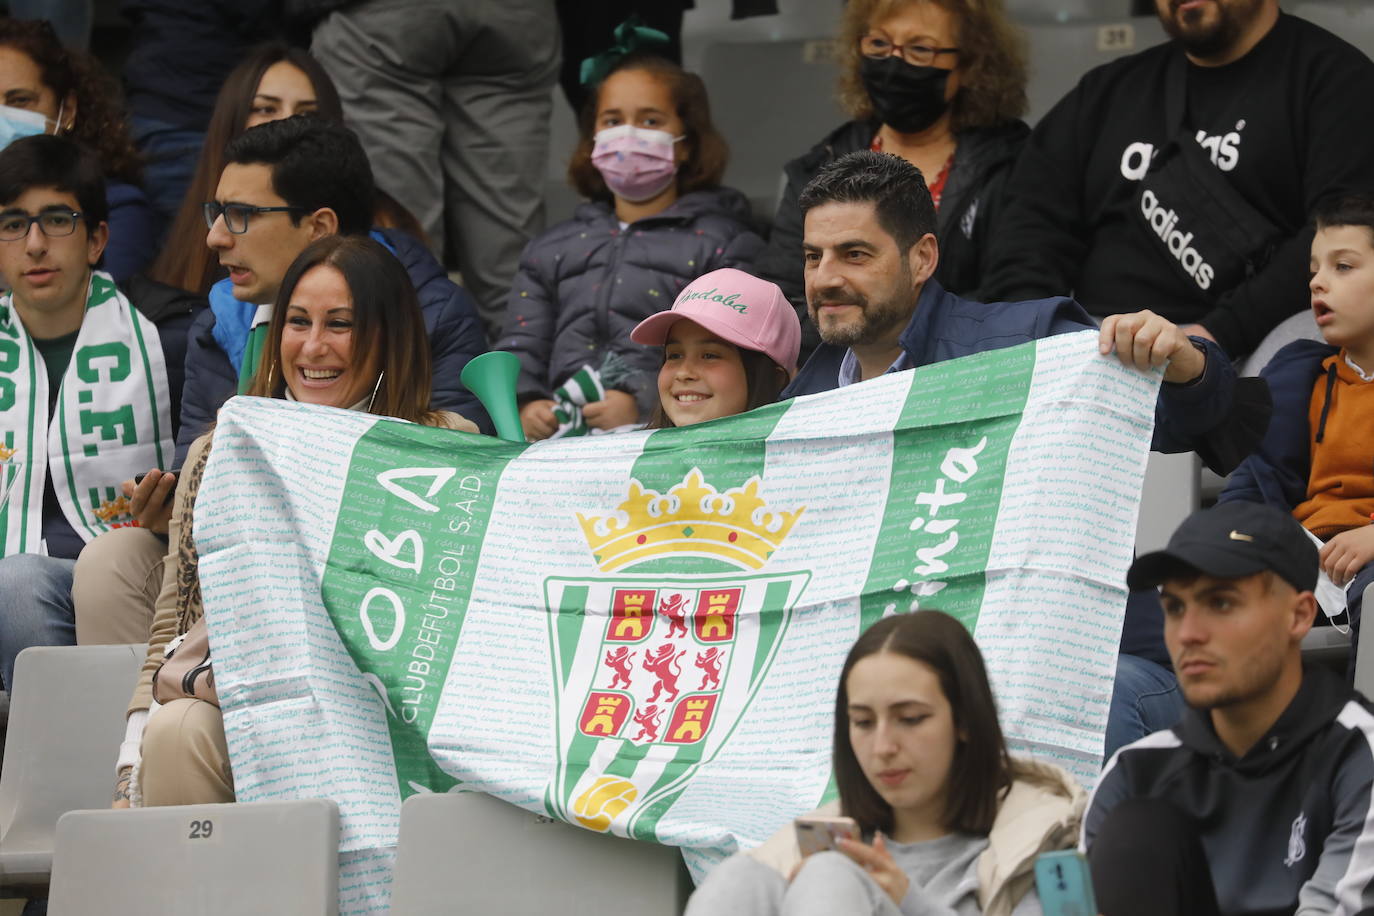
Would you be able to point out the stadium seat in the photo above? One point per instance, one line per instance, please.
(1302, 326)
(199, 860)
(66, 722)
(1066, 10)
(1352, 20)
(1061, 52)
(471, 853)
(773, 101)
(1170, 495)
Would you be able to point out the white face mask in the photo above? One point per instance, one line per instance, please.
(20, 122)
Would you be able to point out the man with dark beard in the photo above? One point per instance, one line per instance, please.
(1259, 801)
(1183, 176)
(869, 250)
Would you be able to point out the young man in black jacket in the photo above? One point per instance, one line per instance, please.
(1258, 802)
(1181, 177)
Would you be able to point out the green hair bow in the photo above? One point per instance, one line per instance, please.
(630, 36)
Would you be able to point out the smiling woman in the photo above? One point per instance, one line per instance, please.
(346, 332)
(913, 709)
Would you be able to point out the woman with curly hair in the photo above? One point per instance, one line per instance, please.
(75, 97)
(941, 83)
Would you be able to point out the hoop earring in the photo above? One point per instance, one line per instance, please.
(375, 387)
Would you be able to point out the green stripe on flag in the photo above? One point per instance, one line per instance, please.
(397, 582)
(949, 455)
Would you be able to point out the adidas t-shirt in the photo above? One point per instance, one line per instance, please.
(1286, 125)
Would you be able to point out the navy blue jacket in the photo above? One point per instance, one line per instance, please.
(134, 231)
(455, 336)
(1277, 473)
(946, 326)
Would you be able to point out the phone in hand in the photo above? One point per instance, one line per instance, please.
(1064, 883)
(138, 479)
(818, 834)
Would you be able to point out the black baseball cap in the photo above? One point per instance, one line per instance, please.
(1230, 541)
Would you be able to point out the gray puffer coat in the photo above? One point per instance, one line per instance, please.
(585, 283)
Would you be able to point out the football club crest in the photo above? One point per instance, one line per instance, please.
(656, 660)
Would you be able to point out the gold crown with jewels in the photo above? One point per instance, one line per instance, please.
(692, 519)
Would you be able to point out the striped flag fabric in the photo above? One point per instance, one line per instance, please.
(641, 633)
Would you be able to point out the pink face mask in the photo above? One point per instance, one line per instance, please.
(636, 163)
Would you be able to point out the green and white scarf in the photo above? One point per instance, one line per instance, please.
(113, 419)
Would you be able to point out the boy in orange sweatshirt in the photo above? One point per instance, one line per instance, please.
(1317, 459)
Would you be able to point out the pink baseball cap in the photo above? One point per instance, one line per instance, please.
(736, 307)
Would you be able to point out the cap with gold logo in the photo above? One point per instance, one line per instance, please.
(1229, 541)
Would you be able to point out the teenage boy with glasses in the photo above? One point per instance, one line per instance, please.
(89, 385)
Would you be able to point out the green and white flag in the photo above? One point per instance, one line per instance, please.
(642, 633)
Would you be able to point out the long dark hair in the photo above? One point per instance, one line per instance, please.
(985, 769)
(99, 123)
(707, 155)
(186, 261)
(765, 380)
(387, 325)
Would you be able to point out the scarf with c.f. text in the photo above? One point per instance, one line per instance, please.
(113, 419)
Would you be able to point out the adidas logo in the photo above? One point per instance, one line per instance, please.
(1163, 222)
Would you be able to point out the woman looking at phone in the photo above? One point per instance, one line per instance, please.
(913, 709)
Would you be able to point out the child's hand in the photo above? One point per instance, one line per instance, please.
(1347, 553)
(616, 409)
(879, 865)
(537, 419)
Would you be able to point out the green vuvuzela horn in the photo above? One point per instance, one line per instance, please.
(491, 377)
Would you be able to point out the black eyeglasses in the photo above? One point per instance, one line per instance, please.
(236, 215)
(54, 223)
(917, 55)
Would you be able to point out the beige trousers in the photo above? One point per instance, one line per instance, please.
(116, 583)
(185, 758)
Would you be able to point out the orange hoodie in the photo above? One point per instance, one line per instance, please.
(1340, 485)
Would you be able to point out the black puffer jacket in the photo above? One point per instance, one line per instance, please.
(585, 283)
(973, 192)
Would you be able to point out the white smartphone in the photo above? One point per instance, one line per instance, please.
(817, 834)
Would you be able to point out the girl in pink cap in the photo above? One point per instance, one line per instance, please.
(730, 344)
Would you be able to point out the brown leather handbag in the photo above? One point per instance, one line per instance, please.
(185, 670)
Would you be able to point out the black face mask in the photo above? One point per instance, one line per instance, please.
(907, 99)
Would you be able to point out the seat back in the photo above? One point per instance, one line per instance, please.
(264, 858)
(1061, 52)
(471, 853)
(66, 721)
(773, 101)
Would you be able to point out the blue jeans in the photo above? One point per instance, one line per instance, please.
(35, 607)
(1145, 699)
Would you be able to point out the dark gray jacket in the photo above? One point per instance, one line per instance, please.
(585, 283)
(1287, 827)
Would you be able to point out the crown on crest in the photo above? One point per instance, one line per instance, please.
(691, 519)
(6, 453)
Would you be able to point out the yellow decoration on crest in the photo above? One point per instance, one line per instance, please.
(6, 453)
(691, 519)
(597, 807)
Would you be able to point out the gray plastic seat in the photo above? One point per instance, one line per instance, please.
(773, 101)
(1062, 52)
(471, 853)
(66, 722)
(265, 858)
(1170, 494)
